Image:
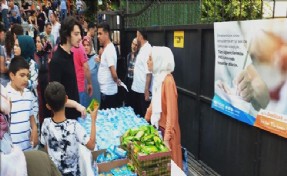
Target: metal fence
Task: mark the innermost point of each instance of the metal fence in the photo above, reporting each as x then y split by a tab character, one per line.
161	13
149	13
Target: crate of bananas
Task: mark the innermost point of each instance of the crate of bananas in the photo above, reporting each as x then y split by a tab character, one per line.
147	150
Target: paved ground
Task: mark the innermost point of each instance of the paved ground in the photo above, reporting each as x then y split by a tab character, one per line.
197	168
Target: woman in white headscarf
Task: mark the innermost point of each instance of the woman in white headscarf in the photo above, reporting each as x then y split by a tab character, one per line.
163	110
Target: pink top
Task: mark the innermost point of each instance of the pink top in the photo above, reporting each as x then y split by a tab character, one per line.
80	58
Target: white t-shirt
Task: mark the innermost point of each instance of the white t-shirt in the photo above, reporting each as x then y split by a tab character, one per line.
141	69
62	142
56	30
79	4
4	5
22	109
106	81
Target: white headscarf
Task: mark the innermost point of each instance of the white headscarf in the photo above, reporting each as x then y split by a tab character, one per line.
163	64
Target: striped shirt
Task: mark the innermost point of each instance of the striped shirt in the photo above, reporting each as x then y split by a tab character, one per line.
22	109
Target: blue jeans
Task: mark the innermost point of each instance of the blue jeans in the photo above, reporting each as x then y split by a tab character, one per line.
63	14
5	19
84	99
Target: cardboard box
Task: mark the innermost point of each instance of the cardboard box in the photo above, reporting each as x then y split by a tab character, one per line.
108	166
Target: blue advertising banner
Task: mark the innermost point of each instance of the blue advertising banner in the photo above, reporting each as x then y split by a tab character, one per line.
251	72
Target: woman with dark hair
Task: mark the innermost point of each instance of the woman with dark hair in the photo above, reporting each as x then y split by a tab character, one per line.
42	58
9	44
33	24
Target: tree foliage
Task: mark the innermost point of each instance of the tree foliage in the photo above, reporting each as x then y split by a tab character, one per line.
230	10
93	7
91	11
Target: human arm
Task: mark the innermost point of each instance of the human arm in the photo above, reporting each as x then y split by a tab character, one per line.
33	80
30	20
91	143
147	85
170	94
98	59
55	73
88	77
251	88
148	113
3	68
73	104
114	75
44	134
34	133
36	23
111	58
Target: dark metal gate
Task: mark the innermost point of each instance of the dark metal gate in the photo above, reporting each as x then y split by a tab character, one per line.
227	146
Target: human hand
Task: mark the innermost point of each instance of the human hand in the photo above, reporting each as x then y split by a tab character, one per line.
80	108
94	113
223	86
118	82
98	59
167	144
90	89
146	95
244	87
34	137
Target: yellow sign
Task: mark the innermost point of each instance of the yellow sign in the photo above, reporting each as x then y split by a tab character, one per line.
178	39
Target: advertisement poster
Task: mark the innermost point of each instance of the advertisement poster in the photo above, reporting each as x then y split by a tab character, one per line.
251	72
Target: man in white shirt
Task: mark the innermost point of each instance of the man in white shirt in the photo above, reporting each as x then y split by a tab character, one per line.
79	5
55	26
4	9
48	33
107	74
63	7
142	77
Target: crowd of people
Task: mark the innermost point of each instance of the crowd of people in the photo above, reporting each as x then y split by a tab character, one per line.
51	73
37	14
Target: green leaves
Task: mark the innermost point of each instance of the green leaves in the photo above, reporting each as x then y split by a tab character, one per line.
230	10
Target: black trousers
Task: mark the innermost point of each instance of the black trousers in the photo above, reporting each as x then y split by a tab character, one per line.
140	105
109	101
129	99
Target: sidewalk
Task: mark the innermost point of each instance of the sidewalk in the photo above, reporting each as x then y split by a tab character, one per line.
198	168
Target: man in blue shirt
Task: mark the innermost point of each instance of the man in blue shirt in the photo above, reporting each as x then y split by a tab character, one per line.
63	7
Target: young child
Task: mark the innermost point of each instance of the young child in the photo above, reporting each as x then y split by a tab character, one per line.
61	135
22	118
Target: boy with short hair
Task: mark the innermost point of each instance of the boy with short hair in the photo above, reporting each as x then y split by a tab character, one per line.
22	118
61	135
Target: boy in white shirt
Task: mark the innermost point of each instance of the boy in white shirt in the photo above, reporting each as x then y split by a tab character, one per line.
61	135
23	125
